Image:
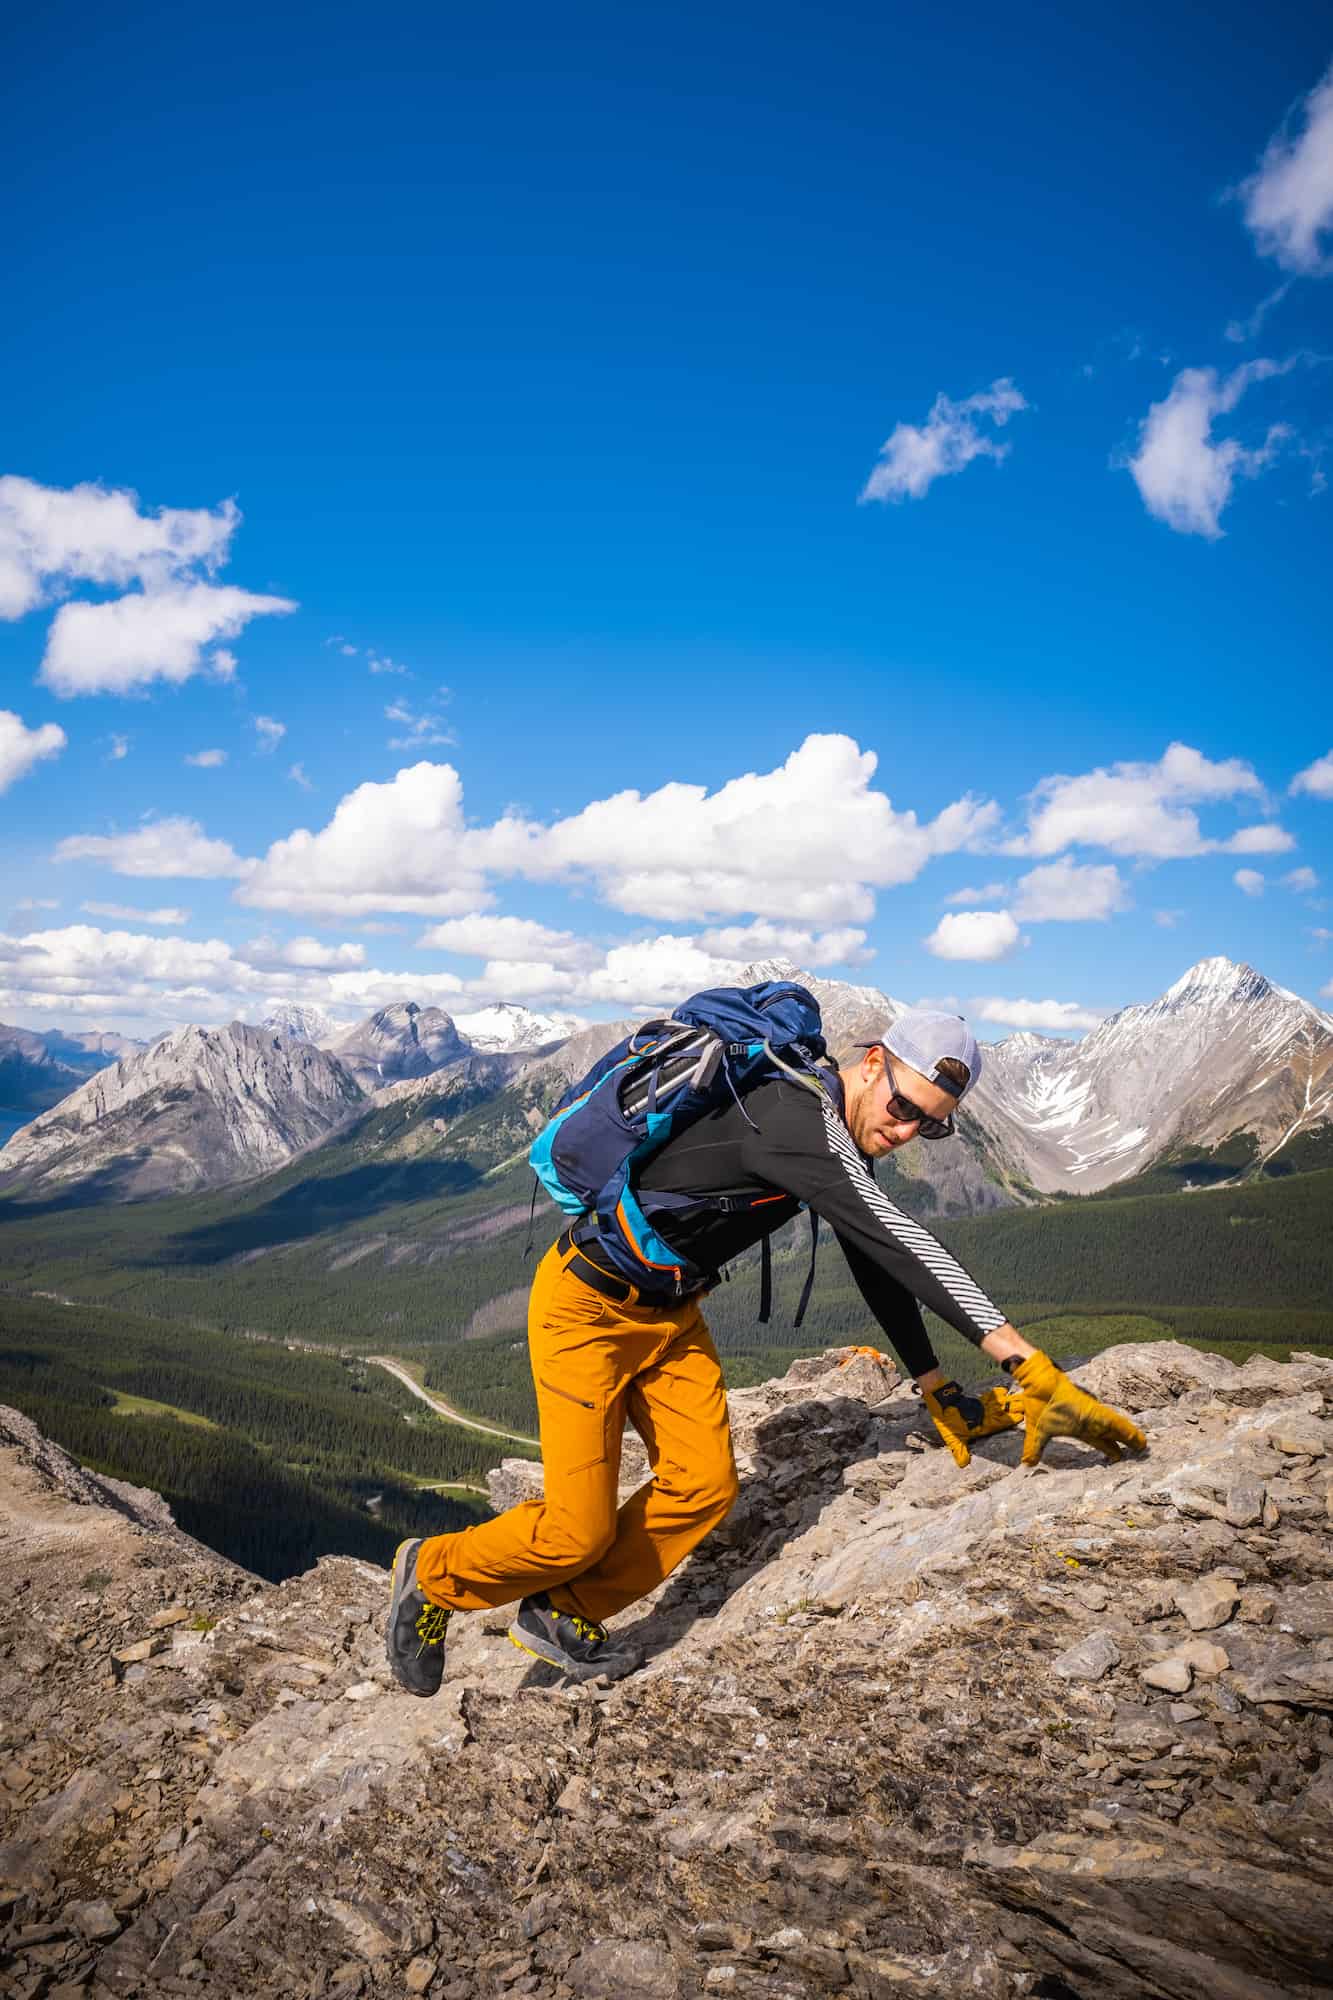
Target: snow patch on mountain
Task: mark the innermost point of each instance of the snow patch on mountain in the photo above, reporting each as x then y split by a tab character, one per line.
498	1029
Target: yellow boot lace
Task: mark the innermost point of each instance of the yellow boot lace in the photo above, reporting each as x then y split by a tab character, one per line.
594	1634
432	1623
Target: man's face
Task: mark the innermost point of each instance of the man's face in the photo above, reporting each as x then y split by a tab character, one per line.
870	1114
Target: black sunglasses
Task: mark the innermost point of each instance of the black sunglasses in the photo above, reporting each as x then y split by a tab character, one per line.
911	1114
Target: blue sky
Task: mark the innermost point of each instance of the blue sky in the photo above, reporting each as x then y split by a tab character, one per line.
838	417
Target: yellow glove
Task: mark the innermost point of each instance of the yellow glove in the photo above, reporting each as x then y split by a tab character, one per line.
1052	1406
961	1418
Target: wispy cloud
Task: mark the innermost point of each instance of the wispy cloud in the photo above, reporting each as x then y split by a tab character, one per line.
1249	880
120	747
163	847
421	729
1243	330
206	760
1301	881
123	913
915	455
298	777
1185	476
269	733
1066	891
971	899
1288	201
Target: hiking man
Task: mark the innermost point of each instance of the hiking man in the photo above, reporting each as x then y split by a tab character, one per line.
605	1350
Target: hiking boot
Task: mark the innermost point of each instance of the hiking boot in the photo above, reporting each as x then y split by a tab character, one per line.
414	1636
576	1645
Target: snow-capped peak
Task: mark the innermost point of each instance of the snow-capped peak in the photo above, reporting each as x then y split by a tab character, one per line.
1217	979
306	1024
496	1030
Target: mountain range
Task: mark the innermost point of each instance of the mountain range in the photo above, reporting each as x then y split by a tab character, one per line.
1224	1074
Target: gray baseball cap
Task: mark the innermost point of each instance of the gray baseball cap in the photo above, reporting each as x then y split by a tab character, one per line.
921	1038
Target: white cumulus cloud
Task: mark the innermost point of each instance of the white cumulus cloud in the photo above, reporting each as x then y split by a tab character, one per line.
807	947
1144	810
52	537
808	842
21	747
1184	475
1300	880
121	646
1066	892
1268	838
973	934
915	455
1288	200
1037	1015
507	940
1249	880
402	845
165	847
1316	778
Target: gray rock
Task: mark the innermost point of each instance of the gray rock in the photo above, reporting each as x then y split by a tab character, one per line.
1209	1602
1173	1674
1088	1659
624	1969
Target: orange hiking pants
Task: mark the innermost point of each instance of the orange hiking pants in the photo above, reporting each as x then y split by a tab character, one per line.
596	1363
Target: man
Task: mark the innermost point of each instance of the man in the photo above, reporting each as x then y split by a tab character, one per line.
602	1353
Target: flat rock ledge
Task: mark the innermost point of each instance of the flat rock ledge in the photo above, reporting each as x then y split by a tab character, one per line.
901	1731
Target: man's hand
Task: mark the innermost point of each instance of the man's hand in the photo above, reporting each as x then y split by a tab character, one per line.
1052	1406
961	1418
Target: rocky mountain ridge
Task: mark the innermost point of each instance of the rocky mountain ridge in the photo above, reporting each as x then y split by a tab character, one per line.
1223	1052
396	1043
202	1107
901	1731
39	1067
1223	1057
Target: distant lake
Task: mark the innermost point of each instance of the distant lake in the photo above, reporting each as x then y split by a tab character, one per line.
9	1126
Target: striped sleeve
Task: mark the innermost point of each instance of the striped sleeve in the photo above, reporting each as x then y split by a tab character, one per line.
861	1213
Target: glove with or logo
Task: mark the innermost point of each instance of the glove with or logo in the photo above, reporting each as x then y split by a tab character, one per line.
961	1418
1052	1406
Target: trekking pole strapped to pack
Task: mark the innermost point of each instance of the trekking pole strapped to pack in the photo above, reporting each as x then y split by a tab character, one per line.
717	1045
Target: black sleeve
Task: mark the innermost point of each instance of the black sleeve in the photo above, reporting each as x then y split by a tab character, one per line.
802	1145
894	1307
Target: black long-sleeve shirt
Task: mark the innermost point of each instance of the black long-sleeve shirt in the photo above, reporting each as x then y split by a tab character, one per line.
797	1151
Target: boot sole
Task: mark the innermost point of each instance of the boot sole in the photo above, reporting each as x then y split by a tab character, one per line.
550	1655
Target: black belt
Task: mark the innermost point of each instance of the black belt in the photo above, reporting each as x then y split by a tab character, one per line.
592	1274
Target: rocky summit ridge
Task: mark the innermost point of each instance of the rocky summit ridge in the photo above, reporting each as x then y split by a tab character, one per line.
901	1731
200	1108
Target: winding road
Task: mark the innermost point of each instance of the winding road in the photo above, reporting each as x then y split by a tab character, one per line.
440	1407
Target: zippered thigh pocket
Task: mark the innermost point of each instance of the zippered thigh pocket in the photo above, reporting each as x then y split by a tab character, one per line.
573	1431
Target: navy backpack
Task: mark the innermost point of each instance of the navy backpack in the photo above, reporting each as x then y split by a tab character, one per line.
717	1045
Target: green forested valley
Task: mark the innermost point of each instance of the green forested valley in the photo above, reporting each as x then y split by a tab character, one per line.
189	1305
